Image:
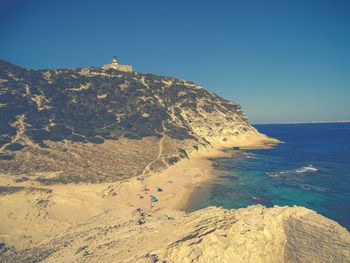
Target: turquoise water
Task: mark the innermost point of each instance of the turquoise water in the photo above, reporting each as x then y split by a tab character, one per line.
311	169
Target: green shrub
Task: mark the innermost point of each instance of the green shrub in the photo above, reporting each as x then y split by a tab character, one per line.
14	147
6	157
96	140
38	135
75	138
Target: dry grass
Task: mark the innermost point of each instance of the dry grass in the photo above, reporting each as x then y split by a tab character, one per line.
86	162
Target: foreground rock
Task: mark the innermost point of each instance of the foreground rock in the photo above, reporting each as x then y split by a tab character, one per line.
253	234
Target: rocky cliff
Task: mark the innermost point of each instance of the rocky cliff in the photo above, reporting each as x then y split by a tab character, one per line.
253	234
94	125
61	128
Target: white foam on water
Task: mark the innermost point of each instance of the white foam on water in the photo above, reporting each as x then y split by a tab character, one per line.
277	174
273	174
289	173
305	187
306	169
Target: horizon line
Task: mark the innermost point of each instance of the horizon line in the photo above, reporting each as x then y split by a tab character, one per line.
306	122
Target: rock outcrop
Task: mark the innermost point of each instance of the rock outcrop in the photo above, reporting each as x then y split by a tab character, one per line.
252	234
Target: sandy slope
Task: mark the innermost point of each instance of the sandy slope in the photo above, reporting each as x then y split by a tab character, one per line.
38	212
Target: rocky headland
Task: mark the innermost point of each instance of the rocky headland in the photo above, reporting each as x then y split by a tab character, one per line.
82	152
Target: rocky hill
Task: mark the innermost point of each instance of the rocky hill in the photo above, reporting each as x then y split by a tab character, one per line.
69	138
253	234
95	125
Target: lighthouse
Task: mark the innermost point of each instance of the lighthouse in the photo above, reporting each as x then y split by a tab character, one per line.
114	60
116	66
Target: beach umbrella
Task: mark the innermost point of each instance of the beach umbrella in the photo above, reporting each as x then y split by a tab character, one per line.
154	199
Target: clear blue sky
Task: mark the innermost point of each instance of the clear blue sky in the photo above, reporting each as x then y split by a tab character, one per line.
282	61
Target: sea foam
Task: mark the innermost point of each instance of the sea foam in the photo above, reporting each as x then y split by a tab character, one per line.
290	173
306	169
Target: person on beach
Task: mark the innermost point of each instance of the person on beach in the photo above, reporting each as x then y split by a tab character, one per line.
153	200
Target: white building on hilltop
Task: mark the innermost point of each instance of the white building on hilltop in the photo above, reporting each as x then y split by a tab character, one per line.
116	66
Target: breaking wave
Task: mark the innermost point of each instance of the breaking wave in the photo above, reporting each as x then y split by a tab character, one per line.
291	173
306	169
281	174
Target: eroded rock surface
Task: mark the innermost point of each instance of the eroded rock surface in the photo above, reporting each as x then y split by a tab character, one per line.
252	234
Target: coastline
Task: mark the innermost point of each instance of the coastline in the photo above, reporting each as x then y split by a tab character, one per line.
52	209
174	187
253	141
109	221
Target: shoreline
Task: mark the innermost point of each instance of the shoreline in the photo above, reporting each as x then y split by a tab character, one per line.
174	187
52	209
259	141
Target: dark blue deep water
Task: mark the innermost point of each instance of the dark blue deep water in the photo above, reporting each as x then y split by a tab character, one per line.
311	168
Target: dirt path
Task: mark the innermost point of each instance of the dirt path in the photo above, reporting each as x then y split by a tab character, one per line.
147	169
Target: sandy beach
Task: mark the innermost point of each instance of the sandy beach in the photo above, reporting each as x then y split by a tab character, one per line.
38	211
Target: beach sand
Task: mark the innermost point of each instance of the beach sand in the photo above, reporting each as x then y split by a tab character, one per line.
38	212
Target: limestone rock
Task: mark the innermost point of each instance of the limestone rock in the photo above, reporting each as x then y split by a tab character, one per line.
252	234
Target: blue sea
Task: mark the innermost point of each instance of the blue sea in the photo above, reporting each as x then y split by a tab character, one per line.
311	168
